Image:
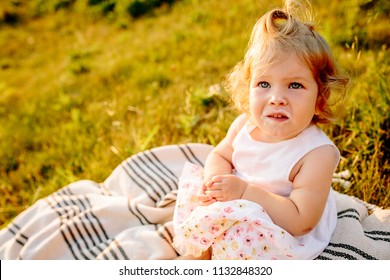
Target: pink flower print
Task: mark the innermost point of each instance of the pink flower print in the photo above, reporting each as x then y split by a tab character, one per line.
243	256
260	236
257	223
204	241
238	231
271	236
214	229
248	240
228	210
250	228
194	169
245	219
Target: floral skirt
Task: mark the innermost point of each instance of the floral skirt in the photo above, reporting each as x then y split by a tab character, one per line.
237	229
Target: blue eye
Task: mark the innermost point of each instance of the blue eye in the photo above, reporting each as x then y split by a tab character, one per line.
264	85
295	86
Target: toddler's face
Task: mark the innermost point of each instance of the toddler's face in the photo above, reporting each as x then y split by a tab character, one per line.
282	100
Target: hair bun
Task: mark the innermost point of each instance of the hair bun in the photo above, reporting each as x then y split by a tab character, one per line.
279	14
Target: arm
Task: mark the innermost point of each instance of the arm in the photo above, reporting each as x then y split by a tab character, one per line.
219	161
301	211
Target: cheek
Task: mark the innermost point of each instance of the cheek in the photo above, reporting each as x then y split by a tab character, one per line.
255	104
315	107
310	110
255	98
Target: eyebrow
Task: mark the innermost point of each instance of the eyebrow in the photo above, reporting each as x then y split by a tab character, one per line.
296	78
292	78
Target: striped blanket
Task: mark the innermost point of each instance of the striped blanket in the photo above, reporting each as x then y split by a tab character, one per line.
129	216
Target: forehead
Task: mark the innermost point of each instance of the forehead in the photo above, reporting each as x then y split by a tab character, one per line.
285	64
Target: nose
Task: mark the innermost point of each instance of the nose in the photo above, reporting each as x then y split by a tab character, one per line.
277	100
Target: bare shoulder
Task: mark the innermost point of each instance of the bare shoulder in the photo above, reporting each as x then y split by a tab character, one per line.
327	153
237	124
317	167
225	147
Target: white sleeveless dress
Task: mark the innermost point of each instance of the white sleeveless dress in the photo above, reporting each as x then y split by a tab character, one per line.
241	229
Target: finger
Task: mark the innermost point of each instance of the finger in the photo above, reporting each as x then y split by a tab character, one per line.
209	184
217	186
206	203
217	178
204	197
216	194
202	189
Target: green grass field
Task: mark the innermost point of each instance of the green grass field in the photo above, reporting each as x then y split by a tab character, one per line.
84	85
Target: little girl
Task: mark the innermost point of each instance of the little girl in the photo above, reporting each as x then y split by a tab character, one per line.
265	191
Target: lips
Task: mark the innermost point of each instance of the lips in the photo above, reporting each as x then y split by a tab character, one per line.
278	116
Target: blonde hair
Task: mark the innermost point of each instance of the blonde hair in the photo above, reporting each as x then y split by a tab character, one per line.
279	32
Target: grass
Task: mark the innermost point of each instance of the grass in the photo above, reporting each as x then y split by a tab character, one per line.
81	90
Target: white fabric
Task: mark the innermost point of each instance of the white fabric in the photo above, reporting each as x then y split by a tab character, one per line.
269	164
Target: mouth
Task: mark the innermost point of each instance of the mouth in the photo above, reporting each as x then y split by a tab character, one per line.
278	116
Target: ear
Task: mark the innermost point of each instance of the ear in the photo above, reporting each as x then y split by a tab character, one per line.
319	106
317	111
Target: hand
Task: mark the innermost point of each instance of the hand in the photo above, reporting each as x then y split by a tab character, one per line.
203	198
225	187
